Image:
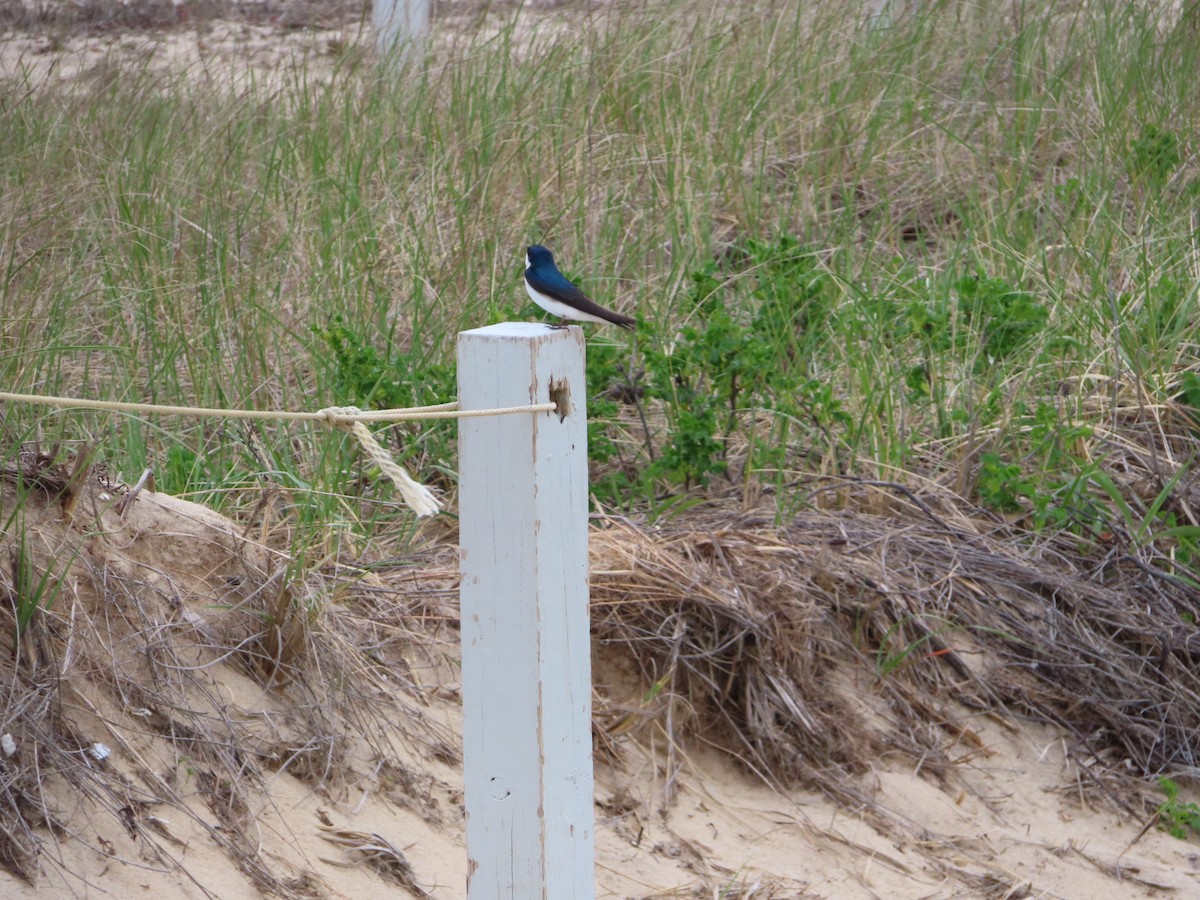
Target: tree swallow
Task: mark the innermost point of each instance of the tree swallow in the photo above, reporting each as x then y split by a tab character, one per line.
553	293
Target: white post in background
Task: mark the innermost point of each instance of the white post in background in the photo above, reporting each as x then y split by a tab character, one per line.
526	643
885	13
399	24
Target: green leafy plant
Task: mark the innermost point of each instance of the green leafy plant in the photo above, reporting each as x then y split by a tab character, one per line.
1055	487
1189	393
366	376
1154	154
957	338
1178	818
611	382
1001	484
748	349
1004	317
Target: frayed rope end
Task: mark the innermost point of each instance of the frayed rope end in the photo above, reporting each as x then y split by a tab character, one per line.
419	498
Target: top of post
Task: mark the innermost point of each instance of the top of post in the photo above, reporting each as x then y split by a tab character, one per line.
524	330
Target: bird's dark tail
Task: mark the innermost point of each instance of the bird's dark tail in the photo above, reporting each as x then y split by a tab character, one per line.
625	322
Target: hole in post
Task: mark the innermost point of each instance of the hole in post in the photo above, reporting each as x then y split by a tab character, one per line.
560	396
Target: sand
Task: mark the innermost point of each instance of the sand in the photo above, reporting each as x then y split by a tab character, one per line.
1013	817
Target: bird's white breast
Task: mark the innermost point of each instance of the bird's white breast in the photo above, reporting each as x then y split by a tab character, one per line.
558	308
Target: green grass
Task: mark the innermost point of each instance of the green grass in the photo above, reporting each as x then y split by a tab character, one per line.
945	249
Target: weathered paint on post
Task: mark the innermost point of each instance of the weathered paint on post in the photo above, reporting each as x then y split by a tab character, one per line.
526	666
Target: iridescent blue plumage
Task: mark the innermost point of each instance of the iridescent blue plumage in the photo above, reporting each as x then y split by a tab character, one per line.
548	288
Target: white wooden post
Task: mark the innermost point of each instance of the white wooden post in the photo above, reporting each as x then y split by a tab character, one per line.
526	651
885	13
400	24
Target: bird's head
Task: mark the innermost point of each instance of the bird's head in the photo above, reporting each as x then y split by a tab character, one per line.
537	255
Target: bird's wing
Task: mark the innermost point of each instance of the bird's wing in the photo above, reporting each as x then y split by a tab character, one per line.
559	288
554	285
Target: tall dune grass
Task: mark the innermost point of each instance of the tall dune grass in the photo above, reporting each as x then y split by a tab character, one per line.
187	239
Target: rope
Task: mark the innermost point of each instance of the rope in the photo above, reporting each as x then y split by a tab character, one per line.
418	497
328	415
347	418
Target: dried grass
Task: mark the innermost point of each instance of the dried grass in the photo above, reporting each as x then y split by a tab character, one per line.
377	852
808	651
202	657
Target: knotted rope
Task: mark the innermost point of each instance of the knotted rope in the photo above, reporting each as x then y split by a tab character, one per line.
347	418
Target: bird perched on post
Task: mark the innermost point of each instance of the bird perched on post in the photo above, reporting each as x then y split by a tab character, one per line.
553	293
